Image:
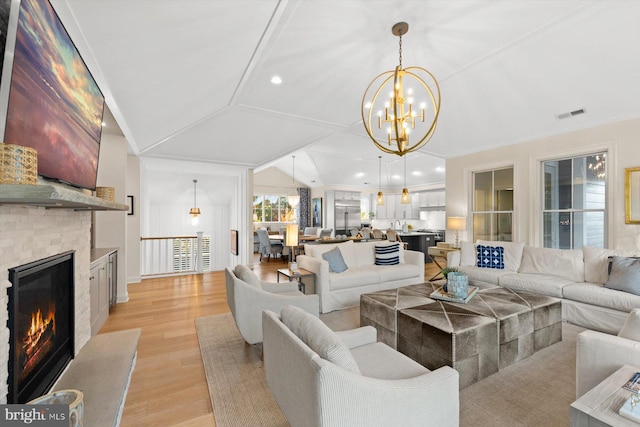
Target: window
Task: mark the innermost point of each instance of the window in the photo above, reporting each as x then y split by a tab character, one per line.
574	212
493	204
271	208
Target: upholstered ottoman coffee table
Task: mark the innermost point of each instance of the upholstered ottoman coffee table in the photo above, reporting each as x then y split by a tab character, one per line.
495	329
527	322
380	309
443	333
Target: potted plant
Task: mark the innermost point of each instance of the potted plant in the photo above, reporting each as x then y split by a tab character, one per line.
445	271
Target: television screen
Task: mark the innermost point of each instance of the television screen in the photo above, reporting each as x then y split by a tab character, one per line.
55	106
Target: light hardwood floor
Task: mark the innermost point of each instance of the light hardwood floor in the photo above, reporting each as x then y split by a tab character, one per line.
168	386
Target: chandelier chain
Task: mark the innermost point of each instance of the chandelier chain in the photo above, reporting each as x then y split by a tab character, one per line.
400	51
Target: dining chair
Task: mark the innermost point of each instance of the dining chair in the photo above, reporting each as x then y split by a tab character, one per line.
267	247
326	232
377	233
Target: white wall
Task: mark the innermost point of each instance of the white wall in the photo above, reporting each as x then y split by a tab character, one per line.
110	227
621	141
133	221
167	192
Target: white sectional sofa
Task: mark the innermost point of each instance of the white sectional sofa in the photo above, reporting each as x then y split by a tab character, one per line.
342	290
576	276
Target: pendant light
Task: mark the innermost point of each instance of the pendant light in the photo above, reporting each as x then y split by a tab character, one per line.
194	211
405	199
294	198
380	199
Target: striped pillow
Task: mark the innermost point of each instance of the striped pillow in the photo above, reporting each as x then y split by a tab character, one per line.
388	254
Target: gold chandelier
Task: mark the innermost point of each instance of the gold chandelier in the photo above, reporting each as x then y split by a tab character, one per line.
391	121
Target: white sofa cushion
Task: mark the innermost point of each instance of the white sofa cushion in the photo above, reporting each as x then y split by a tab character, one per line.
488	275
353	278
567	263
388	273
316	250
314	333
536	283
512	252
596	262
468	254
598	295
631	327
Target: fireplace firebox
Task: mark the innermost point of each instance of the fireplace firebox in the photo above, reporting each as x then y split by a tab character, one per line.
41	325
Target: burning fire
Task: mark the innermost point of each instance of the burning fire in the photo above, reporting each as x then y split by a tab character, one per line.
40	327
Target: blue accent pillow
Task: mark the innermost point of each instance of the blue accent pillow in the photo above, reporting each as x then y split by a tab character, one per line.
335	260
388	254
490	257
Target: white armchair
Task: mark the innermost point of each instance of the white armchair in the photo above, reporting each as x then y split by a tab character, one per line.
248	298
598	355
317	384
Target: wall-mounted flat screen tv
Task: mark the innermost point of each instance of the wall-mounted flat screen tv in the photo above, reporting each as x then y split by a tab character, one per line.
55	105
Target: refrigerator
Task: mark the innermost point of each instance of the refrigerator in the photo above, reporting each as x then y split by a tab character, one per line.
347	215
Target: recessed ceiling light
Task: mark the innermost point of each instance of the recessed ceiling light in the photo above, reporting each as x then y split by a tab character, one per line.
276	80
439	169
395	176
103	124
367	105
360	174
416	173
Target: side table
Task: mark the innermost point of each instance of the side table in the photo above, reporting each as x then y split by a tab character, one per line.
435	252
298	275
600	405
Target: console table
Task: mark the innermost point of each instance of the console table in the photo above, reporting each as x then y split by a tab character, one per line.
438	252
298	276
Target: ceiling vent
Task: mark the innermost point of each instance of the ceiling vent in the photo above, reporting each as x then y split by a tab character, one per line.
570	114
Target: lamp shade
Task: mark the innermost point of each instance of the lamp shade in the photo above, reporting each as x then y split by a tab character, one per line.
292	235
457	223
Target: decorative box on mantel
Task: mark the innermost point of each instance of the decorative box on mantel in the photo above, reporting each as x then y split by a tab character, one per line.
52	196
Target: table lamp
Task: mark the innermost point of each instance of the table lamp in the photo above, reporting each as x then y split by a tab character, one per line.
457	223
292	241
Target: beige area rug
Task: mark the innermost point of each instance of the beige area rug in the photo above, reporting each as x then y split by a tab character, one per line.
534	392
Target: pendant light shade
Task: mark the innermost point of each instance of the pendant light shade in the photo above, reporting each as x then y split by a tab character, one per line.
380	199
194	211
405	199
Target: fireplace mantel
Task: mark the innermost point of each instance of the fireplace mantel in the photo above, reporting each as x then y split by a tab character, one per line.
52	196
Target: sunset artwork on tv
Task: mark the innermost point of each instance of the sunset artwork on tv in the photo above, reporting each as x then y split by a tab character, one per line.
55	106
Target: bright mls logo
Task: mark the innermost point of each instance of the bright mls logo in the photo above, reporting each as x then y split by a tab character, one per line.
34	415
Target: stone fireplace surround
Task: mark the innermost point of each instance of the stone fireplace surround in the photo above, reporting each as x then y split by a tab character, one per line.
31	233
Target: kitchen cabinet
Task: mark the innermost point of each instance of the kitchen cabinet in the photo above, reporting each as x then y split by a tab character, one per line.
429	199
103	273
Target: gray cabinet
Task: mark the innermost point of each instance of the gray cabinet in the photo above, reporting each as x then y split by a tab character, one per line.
103	285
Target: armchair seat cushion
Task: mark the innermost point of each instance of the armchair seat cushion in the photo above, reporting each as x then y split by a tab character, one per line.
371	357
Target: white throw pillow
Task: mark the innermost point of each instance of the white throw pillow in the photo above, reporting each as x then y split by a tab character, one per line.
567	263
316	250
512	252
314	333
245	274
631	327
468	254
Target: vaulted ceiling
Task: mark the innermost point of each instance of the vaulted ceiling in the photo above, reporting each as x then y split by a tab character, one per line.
190	79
